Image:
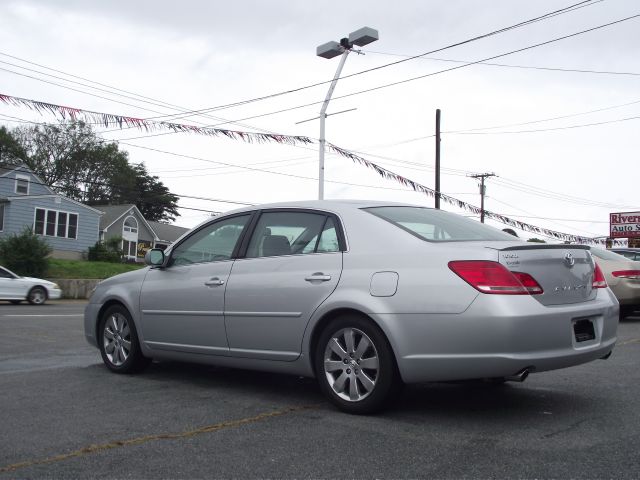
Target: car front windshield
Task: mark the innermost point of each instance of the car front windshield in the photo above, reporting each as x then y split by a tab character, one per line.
438	226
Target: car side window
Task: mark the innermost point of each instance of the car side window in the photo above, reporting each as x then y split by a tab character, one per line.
212	243
328	240
5	274
285	233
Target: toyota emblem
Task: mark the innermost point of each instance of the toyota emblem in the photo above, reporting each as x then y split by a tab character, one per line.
569	261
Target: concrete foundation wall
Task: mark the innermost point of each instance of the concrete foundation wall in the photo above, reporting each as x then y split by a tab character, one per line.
75	288
68	255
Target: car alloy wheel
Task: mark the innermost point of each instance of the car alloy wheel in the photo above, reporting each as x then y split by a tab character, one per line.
355	365
117	339
351	364
37	296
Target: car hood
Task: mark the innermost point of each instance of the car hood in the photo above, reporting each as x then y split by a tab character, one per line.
125	277
39	281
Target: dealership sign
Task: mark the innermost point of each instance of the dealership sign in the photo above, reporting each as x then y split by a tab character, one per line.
624	225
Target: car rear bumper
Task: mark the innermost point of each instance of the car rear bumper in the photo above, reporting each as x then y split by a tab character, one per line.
499	336
627	291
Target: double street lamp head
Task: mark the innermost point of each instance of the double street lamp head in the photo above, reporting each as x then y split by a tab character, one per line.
361	37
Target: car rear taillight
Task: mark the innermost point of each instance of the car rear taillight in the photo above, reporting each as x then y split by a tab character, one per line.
495	278
634	274
598	278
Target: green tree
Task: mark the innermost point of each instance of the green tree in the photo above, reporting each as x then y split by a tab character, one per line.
25	254
536	240
71	159
154	199
11	152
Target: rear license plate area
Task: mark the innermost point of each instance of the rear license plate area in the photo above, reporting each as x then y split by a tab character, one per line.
583	330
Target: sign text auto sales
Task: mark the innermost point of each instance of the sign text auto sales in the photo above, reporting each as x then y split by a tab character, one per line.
625	225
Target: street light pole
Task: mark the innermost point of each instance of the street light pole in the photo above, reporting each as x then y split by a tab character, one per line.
361	37
323	116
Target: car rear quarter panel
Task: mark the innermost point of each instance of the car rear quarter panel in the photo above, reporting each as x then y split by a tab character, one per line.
442	328
426	285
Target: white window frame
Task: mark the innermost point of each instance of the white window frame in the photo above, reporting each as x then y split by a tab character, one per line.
55	233
127	253
126	228
21	177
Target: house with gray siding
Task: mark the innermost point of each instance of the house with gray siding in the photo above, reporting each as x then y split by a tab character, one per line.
167	234
68	226
138	235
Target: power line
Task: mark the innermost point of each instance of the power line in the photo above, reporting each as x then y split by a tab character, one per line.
551	218
120	188
544	193
527	67
400	82
153	102
536	191
568	127
192	112
260	170
554	223
464	205
545	16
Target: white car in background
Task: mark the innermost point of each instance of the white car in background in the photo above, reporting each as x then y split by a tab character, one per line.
34	290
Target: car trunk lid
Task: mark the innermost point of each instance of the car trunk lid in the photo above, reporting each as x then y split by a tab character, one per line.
565	272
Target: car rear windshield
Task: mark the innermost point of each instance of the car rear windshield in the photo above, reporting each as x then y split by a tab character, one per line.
438	226
607	255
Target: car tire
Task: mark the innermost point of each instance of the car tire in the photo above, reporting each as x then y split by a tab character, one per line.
118	342
355	365
37	296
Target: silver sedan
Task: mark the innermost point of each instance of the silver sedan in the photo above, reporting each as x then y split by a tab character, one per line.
361	295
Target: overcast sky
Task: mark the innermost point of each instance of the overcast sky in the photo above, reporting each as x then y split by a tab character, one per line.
197	54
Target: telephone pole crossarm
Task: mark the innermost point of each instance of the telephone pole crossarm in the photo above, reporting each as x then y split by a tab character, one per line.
482	177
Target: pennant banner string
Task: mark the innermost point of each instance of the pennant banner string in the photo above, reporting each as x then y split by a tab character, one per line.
109	119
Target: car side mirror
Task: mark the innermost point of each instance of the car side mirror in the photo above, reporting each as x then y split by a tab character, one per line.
154	257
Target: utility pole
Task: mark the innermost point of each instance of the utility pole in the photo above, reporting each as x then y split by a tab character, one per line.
437	159
483	190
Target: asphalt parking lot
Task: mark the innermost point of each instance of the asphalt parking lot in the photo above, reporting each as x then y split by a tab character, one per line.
65	416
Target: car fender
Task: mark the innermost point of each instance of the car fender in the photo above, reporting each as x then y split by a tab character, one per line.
126	294
346	299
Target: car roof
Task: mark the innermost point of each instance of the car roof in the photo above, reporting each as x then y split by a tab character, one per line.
334	205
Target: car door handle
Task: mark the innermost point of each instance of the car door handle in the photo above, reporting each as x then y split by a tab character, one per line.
318	277
214	282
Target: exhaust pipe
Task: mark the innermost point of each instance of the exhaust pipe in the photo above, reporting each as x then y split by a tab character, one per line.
521	376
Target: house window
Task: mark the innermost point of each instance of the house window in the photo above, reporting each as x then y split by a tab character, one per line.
130	225
130	249
53	223
22	184
1	217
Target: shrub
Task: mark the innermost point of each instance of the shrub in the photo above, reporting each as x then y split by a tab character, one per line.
108	251
25	254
